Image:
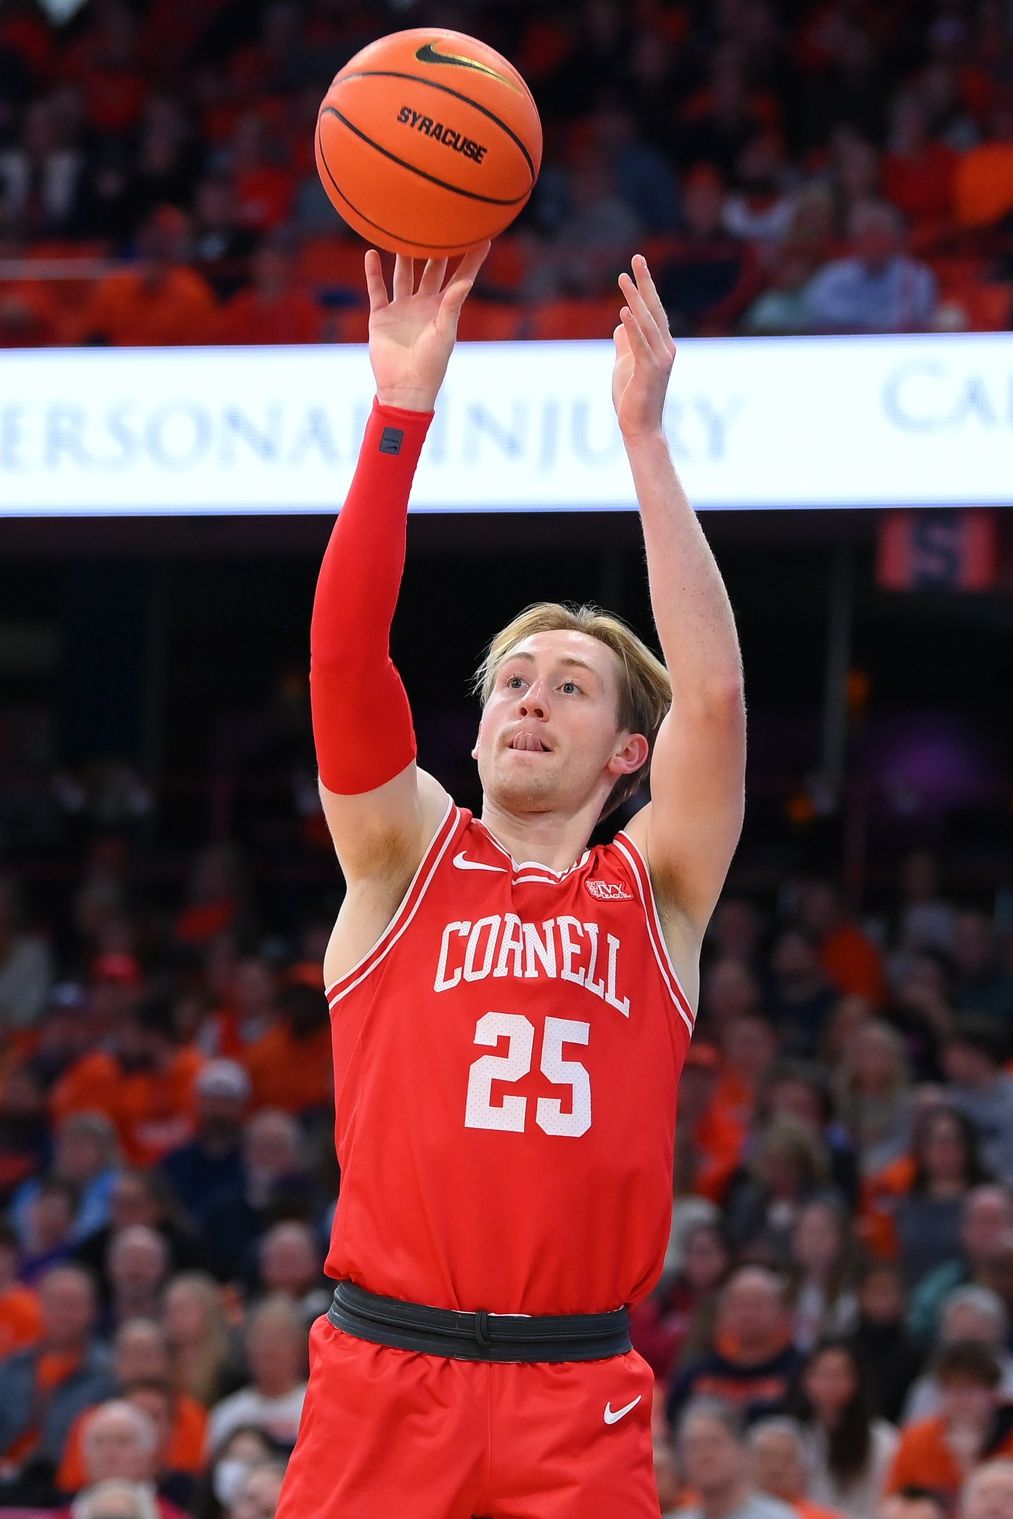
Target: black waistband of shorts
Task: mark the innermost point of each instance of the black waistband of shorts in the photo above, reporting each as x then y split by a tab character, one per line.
478	1336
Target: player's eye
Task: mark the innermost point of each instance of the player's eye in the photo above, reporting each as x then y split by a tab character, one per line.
514	682
569	688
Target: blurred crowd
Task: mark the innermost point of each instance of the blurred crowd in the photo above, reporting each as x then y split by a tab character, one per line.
801	166
830	1338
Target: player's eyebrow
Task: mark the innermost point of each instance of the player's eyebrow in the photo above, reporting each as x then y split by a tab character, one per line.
564	659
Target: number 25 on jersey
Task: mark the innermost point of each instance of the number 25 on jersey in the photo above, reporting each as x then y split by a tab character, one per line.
510	1112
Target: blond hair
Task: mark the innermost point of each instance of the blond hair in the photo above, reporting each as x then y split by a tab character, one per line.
645	691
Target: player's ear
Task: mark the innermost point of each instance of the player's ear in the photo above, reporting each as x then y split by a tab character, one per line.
630	756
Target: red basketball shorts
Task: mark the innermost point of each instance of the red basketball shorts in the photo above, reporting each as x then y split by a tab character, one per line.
395	1434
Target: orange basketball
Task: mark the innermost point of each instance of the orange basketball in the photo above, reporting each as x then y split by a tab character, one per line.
427	142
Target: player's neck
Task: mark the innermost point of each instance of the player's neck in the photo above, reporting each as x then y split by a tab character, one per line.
550	838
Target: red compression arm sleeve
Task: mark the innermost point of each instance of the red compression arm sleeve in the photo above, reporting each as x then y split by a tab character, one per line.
362	724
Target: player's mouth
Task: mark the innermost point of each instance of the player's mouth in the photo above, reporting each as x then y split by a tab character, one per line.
527	742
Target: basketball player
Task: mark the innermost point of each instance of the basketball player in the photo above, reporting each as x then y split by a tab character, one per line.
510	1010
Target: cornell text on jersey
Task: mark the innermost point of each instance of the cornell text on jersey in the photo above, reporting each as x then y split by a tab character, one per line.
563	949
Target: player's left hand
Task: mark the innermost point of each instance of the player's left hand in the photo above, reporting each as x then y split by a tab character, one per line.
412	330
645	353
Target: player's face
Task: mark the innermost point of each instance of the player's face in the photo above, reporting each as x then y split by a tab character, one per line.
549	735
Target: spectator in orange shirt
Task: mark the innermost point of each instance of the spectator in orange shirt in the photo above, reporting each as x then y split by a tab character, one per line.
143	1082
140	1358
249	1006
154	1100
163	302
20	1312
780	1465
290	1067
973	1425
181	1424
748	1051
849	957
272	309
44	1387
709	1143
120	1440
264	186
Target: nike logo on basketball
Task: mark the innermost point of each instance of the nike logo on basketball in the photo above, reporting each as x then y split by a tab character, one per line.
427	54
463	863
612	1416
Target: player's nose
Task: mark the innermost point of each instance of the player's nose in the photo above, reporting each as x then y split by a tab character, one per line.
534	701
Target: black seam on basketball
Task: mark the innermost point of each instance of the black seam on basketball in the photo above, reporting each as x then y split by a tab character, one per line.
432	84
488	200
447	248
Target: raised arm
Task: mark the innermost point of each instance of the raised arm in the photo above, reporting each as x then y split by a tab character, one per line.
381	810
691	827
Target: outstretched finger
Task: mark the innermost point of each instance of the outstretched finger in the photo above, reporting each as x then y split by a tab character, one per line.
644	315
472	262
432	275
376	285
404	276
621	341
649	290
640	345
453	300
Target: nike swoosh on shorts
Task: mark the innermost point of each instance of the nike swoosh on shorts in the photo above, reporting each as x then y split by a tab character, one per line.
613	1415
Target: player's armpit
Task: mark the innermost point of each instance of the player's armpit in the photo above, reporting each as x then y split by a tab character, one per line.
381	835
689	831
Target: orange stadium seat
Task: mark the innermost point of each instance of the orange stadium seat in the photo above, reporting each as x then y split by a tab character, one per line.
506	265
988	305
346	324
491	321
332	264
577	317
983	189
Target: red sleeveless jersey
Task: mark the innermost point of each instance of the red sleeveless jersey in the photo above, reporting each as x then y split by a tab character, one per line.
506	1060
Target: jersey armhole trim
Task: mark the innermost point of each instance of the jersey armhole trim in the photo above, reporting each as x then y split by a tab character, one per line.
645	890
404	912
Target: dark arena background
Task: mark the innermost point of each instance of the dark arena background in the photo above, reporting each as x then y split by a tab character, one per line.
824	190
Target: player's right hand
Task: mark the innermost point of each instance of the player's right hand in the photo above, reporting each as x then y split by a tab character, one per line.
412	331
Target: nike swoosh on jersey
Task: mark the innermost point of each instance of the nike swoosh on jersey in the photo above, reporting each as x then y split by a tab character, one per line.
463	863
612	1416
427	54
